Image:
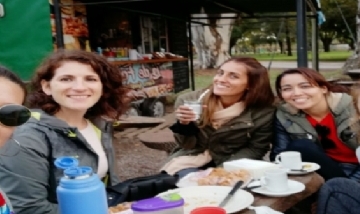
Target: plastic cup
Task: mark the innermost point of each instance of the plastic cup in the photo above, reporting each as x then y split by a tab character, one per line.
195	106
208	210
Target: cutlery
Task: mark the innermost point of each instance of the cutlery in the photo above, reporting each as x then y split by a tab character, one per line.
231	193
299	170
252	187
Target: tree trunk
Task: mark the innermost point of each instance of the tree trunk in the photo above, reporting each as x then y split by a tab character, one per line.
353	62
197	33
326	43
351	44
281	45
212	41
254	48
232	44
287	37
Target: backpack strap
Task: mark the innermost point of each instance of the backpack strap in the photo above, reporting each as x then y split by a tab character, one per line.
52	197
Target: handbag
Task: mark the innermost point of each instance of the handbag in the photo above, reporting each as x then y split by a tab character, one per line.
140	188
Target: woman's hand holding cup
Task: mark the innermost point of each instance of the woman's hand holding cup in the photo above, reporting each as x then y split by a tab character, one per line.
185	114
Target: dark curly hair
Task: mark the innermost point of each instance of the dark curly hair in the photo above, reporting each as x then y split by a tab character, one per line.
9	75
112	103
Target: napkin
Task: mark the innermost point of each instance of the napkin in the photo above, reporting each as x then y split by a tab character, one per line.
257	168
264	210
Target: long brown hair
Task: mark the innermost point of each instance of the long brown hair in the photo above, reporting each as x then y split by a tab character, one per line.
111	104
258	95
311	75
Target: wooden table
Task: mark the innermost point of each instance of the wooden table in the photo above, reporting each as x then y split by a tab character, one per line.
312	182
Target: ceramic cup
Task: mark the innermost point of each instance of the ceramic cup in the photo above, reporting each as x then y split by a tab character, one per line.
289	160
275	180
196	106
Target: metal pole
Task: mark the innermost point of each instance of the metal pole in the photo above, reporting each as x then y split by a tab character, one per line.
315	43
58	25
302	60
191	57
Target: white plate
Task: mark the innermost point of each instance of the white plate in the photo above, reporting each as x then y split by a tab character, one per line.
200	196
294	187
311	168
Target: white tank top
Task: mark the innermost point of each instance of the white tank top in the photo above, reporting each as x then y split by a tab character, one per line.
92	138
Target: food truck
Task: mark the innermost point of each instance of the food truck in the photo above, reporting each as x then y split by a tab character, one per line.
149	50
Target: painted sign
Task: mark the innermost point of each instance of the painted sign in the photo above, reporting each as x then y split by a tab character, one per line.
153	79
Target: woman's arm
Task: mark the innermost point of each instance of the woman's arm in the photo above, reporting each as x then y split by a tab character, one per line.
281	139
185	134
25	175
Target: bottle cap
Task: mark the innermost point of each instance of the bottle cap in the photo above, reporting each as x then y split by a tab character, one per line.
66	162
78	172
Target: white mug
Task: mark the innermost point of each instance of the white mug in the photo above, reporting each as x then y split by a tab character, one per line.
275	180
289	160
196	106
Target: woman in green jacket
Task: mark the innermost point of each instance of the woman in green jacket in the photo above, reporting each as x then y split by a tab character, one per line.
236	121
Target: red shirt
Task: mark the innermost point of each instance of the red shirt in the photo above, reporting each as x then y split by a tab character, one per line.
341	153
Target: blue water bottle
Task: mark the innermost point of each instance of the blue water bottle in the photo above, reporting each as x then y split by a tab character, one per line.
81	191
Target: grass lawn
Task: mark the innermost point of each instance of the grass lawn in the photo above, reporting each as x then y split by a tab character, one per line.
334	56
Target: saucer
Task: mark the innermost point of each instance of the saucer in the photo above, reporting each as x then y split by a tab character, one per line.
294	187
307	168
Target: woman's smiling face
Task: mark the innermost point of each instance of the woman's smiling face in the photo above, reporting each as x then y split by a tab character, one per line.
300	93
74	86
231	80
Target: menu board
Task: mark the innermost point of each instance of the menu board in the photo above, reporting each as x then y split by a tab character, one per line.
153	79
74	23
179	45
181	76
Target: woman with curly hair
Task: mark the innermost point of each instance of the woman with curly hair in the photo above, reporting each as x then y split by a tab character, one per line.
73	91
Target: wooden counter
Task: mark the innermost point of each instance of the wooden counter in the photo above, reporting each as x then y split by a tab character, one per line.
147	61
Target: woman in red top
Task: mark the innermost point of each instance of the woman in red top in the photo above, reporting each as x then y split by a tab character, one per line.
318	121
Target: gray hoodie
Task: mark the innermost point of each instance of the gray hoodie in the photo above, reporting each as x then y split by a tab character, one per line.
29	179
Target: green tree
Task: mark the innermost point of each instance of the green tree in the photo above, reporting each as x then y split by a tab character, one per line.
283	29
240	28
335	27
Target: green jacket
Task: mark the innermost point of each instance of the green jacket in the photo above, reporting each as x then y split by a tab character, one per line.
246	136
25	176
291	124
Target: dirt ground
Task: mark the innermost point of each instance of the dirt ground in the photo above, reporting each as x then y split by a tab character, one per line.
134	159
